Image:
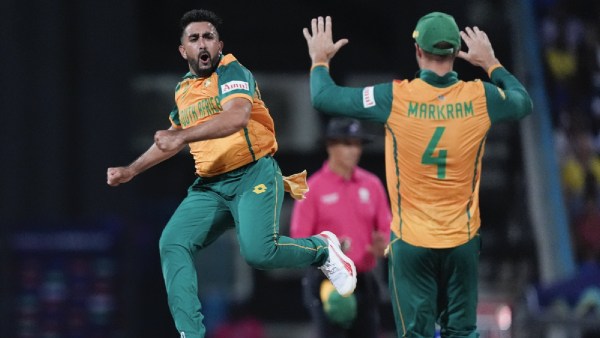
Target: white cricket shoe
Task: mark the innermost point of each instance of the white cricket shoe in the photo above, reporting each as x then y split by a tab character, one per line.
338	268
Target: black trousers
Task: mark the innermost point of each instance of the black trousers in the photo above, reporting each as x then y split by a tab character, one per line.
366	324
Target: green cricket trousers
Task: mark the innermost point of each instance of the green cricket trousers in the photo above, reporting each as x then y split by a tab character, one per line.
248	199
430	286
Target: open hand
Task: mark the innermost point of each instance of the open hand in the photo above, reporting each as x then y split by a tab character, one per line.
480	52
320	42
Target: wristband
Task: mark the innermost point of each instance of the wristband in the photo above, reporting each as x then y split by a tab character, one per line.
492	68
325	64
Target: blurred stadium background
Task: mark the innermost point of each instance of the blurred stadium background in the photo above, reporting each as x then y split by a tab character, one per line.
86	83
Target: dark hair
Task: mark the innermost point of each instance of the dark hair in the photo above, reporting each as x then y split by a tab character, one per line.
200	15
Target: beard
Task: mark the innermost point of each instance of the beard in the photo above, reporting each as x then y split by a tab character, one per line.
204	71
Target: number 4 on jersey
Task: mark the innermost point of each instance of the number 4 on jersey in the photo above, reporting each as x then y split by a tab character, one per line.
439	160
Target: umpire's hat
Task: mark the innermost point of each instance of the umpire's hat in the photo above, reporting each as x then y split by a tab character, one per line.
342	128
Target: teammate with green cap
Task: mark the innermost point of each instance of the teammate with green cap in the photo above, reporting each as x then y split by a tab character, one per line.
436	126
435	28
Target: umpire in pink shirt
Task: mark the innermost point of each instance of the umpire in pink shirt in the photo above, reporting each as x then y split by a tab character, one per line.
352	203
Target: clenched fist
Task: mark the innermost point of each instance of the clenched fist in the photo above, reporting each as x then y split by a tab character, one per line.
168	140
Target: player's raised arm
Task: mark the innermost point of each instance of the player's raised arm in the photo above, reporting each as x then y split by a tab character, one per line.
320	41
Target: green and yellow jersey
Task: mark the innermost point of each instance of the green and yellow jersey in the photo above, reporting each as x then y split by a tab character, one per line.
436	129
200	99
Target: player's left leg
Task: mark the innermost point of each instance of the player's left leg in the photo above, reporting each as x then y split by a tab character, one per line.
257	209
413	288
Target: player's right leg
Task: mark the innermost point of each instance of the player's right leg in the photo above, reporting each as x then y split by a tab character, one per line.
458	313
198	221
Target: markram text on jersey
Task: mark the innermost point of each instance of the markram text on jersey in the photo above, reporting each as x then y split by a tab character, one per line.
449	111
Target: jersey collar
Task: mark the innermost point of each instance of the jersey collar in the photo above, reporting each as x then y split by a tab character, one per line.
189	75
437	81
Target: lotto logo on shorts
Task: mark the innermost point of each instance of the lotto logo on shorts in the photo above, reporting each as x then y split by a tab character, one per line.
182	334
259	189
233	85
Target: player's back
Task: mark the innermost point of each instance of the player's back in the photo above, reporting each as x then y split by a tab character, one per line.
434	144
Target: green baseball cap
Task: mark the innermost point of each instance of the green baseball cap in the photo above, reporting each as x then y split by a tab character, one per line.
338	309
434	28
